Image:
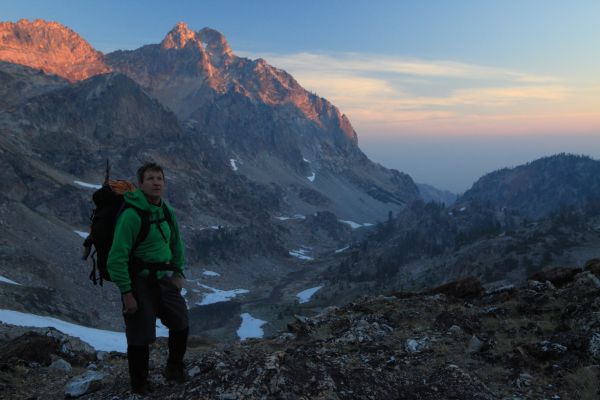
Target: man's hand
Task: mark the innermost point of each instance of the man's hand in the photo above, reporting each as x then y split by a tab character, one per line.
129	304
177	281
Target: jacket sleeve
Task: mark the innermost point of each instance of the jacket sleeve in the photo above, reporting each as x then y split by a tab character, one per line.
126	231
177	245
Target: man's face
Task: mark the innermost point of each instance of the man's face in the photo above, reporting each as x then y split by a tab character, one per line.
153	185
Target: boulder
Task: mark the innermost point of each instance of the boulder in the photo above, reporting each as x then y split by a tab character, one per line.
559	276
466	288
475	345
593	266
61	366
594	346
30	347
86	383
416	345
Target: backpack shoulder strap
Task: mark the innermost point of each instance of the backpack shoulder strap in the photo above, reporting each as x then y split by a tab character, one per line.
167	214
144	228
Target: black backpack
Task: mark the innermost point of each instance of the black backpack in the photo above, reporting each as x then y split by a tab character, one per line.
110	204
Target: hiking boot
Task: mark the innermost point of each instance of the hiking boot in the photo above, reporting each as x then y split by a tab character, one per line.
141	388
138	358
175	372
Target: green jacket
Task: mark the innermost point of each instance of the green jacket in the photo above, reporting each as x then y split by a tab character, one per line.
154	249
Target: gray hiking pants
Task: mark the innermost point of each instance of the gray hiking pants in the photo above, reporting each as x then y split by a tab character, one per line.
155	298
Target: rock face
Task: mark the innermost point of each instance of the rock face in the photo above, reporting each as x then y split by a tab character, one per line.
525	343
278	131
50	47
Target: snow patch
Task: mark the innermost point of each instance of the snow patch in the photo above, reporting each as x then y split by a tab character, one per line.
87	185
352	224
312	177
82	234
251	327
338	251
210	273
302	254
99	339
295	216
305	295
233	165
161	330
355	225
183	294
6	280
305	160
213	227
218	295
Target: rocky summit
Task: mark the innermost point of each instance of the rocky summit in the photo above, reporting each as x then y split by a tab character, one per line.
537	341
50	47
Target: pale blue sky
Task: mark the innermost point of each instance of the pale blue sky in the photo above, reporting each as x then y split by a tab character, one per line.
443	90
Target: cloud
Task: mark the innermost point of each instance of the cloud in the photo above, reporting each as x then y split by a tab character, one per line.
373	63
405	95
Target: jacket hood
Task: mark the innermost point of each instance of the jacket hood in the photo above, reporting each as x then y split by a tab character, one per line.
138	200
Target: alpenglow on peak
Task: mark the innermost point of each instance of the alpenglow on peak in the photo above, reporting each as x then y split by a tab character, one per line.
206	38
178	37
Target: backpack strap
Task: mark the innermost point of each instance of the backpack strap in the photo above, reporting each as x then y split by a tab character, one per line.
144	228
167	214
145	219
135	264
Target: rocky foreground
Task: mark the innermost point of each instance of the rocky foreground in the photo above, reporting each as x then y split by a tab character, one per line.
539	341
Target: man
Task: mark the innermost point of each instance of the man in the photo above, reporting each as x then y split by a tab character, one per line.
141	271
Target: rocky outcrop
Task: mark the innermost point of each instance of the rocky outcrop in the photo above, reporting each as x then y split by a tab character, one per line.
531	342
50	47
556	275
19	83
466	288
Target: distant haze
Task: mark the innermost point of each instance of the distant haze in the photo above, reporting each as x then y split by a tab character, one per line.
455	163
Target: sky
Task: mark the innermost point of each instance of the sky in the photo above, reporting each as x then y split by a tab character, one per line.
444	90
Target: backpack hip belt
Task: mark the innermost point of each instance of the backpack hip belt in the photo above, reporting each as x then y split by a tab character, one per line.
137	265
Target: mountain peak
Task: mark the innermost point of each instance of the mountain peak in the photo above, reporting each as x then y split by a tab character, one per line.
207	39
51	47
215	41
178	37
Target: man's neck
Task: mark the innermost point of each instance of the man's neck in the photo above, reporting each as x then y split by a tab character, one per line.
153	200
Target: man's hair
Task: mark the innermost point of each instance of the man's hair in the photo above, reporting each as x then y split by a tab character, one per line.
150	166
